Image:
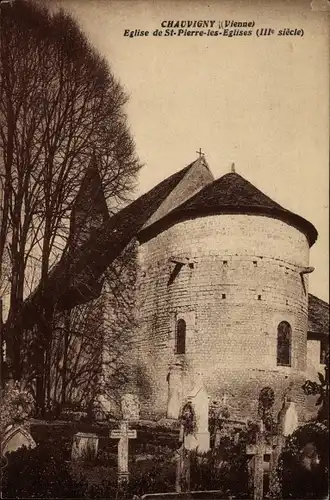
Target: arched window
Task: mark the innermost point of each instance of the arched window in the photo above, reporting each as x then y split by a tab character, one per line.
284	339
180	341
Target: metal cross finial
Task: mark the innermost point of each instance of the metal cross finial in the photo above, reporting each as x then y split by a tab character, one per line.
233	167
200	153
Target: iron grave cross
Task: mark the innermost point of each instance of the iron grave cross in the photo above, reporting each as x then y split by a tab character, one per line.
258	451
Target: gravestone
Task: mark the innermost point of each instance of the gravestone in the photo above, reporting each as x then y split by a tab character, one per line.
102	407
16	437
287	418
130	407
16	407
174	398
200	439
84	447
287	423
123	434
222	424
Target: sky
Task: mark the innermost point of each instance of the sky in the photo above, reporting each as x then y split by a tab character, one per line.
261	102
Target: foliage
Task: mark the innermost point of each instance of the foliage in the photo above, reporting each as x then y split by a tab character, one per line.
187	418
266	402
304	463
222	468
320	388
218	414
39	473
156	478
47	473
16	406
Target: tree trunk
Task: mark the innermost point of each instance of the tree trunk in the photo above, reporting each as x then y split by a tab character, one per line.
65	355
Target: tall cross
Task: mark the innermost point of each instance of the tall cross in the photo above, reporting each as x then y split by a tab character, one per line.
278	443
123	434
258	450
182	479
200	153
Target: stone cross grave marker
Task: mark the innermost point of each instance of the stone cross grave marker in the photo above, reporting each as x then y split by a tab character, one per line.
287	423
123	434
258	451
199	400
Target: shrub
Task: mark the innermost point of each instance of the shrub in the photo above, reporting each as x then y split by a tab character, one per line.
39	473
222	468
16	407
160	477
304	463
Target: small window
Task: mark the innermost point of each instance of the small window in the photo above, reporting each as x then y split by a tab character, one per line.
259	297
225	262
223	295
180	344
284	339
255	263
323	352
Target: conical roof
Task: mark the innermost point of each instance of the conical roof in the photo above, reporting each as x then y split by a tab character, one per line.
232	193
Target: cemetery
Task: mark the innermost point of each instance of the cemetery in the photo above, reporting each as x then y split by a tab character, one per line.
204	454
154	345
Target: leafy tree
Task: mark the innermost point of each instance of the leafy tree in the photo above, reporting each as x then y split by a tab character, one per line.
320	388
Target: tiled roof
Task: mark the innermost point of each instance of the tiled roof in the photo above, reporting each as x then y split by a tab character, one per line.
318	316
234	194
87	264
76	278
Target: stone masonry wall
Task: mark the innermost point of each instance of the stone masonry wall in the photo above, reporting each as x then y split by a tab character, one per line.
242	278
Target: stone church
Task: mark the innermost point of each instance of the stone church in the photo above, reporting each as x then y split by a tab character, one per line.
221	293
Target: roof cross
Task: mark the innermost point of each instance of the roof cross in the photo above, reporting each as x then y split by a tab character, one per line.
200	153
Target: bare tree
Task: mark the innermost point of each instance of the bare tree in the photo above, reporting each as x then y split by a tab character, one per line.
89	344
60	105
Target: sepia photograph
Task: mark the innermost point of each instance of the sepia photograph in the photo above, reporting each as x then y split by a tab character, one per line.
164	249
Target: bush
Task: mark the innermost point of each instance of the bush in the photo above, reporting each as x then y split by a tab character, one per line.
157	478
304	463
223	468
39	473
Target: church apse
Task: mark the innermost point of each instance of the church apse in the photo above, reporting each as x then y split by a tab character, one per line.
215	289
